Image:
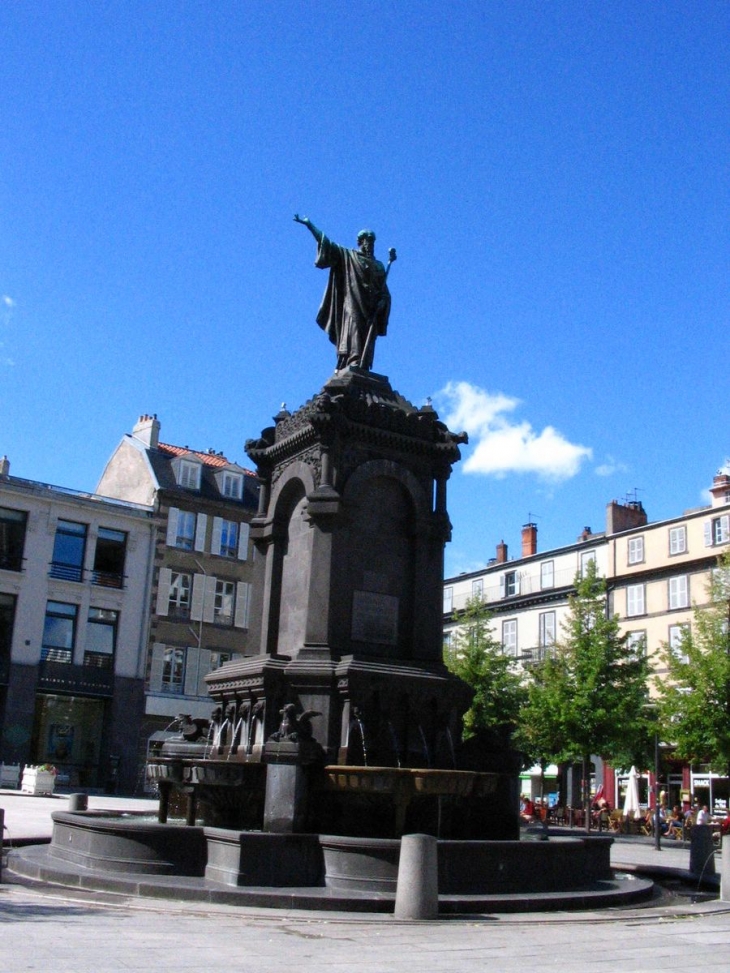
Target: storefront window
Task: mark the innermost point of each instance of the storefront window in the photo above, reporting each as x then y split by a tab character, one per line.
67	734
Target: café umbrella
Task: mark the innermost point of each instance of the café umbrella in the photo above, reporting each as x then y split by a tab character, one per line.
631	800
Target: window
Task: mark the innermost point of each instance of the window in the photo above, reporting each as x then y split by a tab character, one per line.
218	659
59	632
717	531
636	550
511	583
228	546
679	592
188	475
635	598
477	588
546	636
448	641
232	485
185	535
223	602
101	638
509	636
677	635
178	598
186	530
678	539
636	643
448	600
109	558
547	574
12	538
586	558
69	548
7	618
173	669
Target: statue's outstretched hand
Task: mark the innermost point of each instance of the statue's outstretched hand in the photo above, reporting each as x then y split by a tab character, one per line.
301	219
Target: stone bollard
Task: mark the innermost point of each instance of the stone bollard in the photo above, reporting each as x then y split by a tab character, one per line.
78	802
416	894
701	851
725	869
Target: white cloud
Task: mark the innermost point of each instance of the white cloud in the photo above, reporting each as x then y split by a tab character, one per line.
502	446
610	467
8	301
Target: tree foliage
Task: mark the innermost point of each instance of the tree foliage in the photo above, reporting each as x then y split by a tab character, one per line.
590	696
478	658
694	697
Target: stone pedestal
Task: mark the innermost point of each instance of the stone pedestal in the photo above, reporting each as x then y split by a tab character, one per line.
351	529
288	771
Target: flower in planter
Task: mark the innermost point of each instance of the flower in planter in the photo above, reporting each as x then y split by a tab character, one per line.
49	768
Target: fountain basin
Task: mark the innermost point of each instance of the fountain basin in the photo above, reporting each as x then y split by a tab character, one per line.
119	843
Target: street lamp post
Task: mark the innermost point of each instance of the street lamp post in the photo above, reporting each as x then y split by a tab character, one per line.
657	816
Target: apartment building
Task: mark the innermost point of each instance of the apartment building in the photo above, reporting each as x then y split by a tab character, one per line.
655	573
75	571
201	595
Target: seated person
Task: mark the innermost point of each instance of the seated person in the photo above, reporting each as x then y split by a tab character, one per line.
675	823
527	809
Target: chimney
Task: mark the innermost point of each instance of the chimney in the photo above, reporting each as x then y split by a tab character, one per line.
147	430
4	466
529	540
625	516
501	553
720	488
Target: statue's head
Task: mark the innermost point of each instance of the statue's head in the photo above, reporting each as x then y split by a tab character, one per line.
366	241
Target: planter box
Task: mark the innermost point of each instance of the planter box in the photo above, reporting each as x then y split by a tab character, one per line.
37	781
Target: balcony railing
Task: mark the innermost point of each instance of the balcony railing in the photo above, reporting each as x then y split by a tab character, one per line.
529	584
107	579
60	677
66	572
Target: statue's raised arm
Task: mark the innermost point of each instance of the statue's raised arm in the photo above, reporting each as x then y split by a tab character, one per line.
305	221
356	304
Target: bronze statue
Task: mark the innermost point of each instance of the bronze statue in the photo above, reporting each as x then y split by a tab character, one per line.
356	304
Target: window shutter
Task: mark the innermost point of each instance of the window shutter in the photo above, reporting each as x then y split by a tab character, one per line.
215	540
172	516
198	597
724	528
502	586
163	591
243	602
192	662
200	528
708	533
156	666
243	532
203	670
518	579
209	601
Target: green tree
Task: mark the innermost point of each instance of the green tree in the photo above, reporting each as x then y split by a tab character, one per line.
590	697
694	697
478	658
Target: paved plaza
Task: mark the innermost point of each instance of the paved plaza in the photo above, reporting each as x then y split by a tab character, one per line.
46	929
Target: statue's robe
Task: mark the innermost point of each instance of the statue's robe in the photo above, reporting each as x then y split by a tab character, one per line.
355	288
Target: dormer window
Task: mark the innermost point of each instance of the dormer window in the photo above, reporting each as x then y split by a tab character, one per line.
232	483
187	473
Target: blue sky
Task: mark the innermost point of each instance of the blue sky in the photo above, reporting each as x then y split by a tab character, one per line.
553	175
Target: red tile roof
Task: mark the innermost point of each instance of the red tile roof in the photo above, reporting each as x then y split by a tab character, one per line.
216	460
